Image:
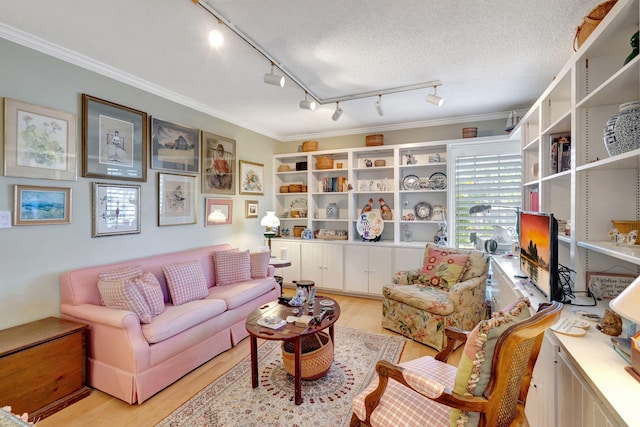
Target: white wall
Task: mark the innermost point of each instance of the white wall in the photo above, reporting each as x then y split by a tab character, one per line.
32	257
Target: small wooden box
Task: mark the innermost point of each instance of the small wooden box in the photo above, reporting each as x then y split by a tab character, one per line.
43	366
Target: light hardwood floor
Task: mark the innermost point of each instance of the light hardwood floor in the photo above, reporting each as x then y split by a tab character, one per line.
100	409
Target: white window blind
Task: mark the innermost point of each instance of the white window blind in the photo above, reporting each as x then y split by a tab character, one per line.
486	179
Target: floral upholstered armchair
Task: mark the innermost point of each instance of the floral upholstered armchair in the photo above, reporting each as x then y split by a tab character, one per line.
448	290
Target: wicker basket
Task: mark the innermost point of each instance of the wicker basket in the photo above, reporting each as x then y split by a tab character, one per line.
295	188
373	140
625	226
284	168
284	188
324	163
316	358
591	21
469	132
309	145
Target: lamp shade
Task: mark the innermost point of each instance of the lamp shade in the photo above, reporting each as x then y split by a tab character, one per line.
627	303
270	220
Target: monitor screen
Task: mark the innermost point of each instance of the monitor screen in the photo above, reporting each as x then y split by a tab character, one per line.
539	252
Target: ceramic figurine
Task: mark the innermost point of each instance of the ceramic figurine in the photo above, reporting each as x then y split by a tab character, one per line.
411	159
367	207
385	210
611	323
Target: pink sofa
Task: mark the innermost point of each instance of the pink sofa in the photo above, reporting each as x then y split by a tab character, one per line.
133	361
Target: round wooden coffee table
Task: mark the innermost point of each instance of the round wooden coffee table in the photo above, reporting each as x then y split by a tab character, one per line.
288	332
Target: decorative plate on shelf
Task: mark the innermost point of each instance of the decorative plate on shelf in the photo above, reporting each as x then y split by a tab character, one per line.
438	180
370	225
411	182
423	210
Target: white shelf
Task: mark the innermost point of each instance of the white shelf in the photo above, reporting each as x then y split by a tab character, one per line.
625	253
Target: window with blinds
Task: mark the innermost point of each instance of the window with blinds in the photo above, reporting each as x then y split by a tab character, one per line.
486	179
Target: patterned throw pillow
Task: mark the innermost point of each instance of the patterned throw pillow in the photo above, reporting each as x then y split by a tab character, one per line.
130	272
124	295
259	263
442	268
150	288
232	267
186	281
474	368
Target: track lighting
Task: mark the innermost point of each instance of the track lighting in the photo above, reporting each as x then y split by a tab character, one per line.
434	99
337	113
378	105
307	104
273	79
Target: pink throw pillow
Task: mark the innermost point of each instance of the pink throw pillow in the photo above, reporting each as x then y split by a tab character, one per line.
124	295
150	288
186	282
259	264
232	267
129	272
442	268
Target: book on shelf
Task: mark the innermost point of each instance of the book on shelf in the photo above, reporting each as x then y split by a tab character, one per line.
560	153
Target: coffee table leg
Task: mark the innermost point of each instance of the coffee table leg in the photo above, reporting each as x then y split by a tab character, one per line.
297	354
254	361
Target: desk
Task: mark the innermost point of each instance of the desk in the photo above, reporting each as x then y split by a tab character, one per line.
279	263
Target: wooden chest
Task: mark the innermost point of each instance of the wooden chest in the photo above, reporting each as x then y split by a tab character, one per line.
42	366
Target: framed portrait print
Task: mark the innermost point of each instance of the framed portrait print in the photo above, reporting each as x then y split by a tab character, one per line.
176	199
251	209
251	178
41	205
218	164
114	140
218	211
116	209
39	142
174	147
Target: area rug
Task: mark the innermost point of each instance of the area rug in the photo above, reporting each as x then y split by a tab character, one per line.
230	400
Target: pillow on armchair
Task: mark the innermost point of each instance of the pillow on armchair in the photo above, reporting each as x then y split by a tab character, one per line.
443	268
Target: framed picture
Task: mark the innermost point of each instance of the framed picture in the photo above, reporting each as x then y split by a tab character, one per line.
218	164
114	140
251	209
41	205
174	147
222	210
39	142
251	178
607	285
176	199
116	209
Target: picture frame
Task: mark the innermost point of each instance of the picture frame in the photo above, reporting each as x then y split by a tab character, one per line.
116	209
114	140
177	195
223	205
251	178
36	205
218	164
174	147
39	142
251	209
607	285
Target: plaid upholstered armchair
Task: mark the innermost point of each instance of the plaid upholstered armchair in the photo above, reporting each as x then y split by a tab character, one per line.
488	388
447	290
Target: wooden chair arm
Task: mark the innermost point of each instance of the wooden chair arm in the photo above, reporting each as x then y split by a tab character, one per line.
455	337
386	370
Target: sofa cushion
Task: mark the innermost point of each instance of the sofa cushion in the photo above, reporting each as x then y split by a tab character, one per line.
176	319
474	368
237	294
259	263
128	272
443	268
477	265
232	267
428	298
124	295
186	281
151	291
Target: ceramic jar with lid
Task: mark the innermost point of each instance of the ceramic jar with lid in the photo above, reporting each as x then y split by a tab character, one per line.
622	131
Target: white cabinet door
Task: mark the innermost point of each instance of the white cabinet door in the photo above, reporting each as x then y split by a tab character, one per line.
333	266
380	269
291	273
323	264
541	401
368	269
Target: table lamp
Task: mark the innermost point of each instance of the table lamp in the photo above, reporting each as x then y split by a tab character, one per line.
627	306
480	209
271	223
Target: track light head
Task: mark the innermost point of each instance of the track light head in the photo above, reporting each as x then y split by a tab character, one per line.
307	104
337	113
273	79
434	99
378	105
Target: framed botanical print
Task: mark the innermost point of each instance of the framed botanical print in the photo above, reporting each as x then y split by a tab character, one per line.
251	178
218	211
39	142
35	205
174	147
176	199
116	209
114	140
251	209
218	164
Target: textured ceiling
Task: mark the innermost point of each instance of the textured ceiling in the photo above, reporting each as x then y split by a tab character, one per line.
492	56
